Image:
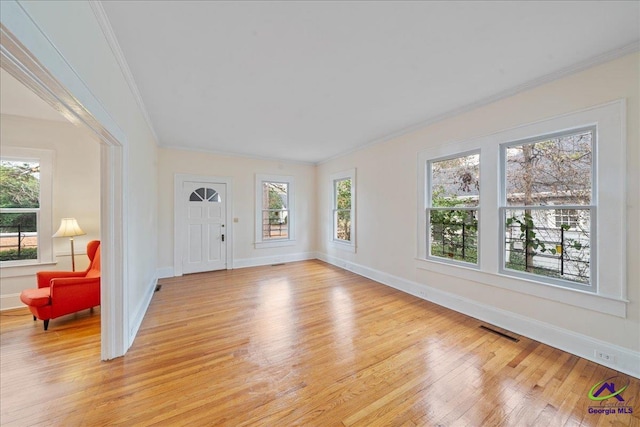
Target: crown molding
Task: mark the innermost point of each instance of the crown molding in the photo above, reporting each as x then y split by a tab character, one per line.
531	84
112	41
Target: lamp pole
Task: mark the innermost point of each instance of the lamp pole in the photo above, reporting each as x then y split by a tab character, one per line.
73	256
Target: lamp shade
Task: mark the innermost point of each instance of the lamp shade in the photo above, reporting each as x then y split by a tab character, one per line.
68	228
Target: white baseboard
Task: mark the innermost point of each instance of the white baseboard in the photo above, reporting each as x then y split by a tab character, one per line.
141	311
166	272
10	301
623	360
276	259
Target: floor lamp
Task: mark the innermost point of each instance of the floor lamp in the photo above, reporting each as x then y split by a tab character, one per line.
69	228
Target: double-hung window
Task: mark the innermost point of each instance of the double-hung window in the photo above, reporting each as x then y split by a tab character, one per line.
547	207
343	196
453	201
274	210
25	206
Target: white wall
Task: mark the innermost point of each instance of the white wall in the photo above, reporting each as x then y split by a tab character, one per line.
242	171
74	29
387	188
75	187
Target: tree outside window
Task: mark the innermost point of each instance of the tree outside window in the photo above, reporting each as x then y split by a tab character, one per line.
548	193
342	209
342	203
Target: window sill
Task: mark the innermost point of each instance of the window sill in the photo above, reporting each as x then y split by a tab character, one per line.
275	244
454	263
589	300
26	269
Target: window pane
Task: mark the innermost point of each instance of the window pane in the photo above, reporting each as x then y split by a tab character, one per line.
18	236
343	194
343	225
274	195
212	195
20	184
205	194
454	234
275	224
536	243
456	182
553	171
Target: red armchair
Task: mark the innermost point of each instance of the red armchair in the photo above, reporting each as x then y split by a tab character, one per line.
65	292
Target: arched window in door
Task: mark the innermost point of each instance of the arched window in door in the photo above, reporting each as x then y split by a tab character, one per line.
205	195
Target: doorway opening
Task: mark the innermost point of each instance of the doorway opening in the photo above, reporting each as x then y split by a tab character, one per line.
28	69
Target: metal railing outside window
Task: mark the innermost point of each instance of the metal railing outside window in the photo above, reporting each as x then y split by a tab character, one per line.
454	234
535	244
18	243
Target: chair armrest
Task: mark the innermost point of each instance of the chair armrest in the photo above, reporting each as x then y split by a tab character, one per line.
44	277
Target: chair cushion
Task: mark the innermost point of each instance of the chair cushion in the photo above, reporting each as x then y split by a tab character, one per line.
36	297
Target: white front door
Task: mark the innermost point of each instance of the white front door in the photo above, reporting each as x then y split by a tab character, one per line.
205	207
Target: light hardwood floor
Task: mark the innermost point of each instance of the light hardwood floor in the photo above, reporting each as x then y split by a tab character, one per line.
298	344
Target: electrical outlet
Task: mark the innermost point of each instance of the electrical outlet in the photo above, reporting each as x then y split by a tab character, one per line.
606	357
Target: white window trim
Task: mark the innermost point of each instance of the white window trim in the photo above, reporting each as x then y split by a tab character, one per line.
592	208
349	246
427	205
611	294
261	243
45	215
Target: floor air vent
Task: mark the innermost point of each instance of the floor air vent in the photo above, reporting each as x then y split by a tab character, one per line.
502	334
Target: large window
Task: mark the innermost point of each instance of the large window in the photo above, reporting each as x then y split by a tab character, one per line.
547	206
453	202
343	198
553	217
25	218
274	213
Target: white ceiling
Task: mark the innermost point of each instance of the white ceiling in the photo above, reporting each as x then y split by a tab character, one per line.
306	81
